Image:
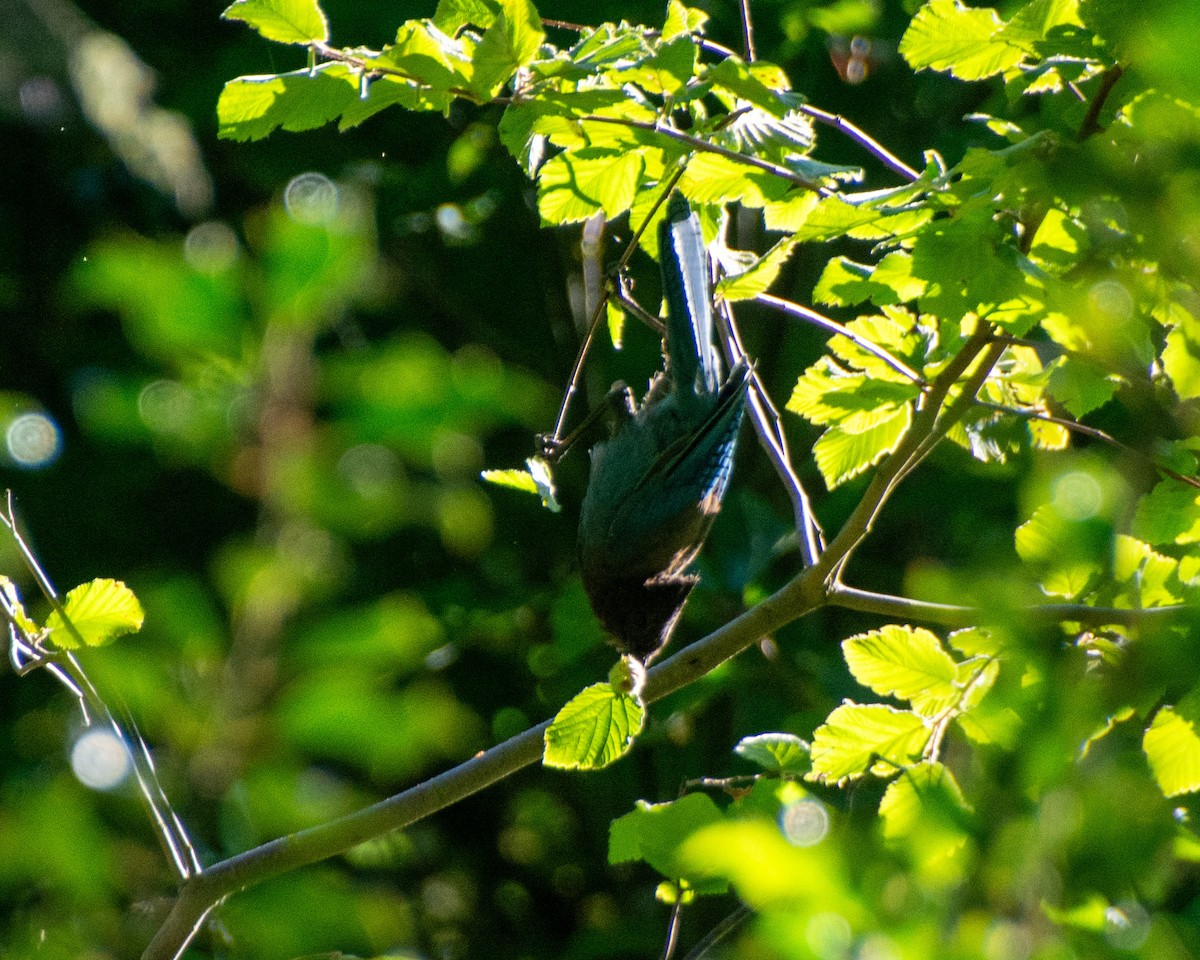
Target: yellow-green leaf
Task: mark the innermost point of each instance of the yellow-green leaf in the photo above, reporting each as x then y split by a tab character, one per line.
902	661
285	21
847	449
1172	745
595	728
99	612
856	738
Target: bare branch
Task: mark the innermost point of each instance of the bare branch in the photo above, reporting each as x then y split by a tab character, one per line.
747	31
811	316
953	615
769	428
872	146
1090	124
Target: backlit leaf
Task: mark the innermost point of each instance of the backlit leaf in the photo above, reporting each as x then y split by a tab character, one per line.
857	738
285	21
595	728
99	611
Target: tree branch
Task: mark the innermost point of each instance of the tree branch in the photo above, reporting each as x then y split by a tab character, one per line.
825	323
863	139
954	615
769	429
888	474
199	894
1090	124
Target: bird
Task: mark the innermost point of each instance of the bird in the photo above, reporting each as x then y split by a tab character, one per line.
657	480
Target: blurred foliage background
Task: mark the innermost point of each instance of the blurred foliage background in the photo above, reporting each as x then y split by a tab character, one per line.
263	379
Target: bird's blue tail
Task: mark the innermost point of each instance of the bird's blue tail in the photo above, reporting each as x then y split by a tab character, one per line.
691	346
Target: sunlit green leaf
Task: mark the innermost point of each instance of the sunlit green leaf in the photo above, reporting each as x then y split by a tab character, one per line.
535	479
903	662
285	21
959	40
451	15
711	178
1181	356
923	810
847	449
509	43
1170	513
98	612
576	185
595	728
776	752
682	19
857	738
759	276
1172	745
249	108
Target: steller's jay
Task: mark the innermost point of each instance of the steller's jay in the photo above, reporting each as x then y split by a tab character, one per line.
657	480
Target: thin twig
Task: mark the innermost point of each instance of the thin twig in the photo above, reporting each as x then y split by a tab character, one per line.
769	427
748	32
706	147
626	300
65	666
955	615
820	320
1091	124
1096	434
673	926
863	139
719	932
858	525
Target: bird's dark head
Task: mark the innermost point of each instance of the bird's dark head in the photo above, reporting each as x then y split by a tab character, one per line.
640	614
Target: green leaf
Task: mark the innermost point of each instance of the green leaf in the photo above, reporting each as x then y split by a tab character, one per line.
1181	356
535	479
430	58
574	186
711	178
682	19
859	442
961	41
827	394
99	611
924	814
918	799
654	832
829	219
285	21
736	76
775	752
452	15
844	282
595	728
1080	385
1170	513
902	661
252	107
856	738
1172	745
511	42
759	276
